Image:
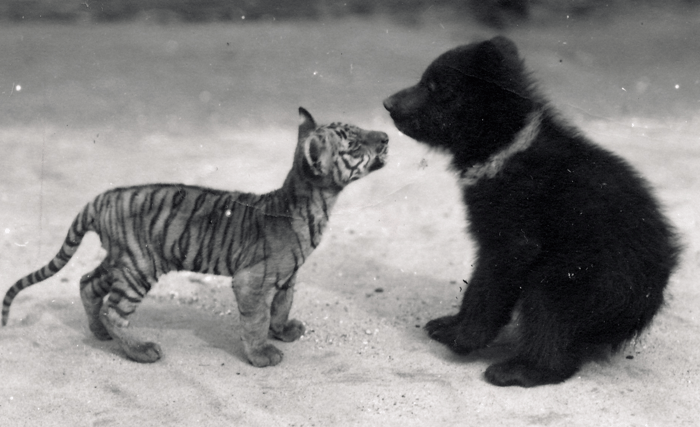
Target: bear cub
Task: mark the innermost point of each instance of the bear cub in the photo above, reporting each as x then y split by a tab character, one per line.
565	230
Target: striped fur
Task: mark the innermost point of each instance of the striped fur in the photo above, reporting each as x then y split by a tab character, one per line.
258	240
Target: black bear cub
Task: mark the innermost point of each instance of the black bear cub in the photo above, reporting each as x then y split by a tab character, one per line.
565	229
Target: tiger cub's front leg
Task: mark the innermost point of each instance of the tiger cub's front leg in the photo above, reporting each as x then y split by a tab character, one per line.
280	327
255	297
125	295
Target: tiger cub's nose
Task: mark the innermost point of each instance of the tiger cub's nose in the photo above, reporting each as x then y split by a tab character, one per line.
377	137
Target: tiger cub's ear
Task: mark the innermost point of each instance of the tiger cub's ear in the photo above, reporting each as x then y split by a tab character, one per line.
316	151
306	124
317	155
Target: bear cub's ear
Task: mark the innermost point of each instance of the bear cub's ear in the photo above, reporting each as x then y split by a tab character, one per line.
505	46
496	53
499	61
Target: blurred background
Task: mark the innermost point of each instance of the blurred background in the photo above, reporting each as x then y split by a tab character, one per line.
178	64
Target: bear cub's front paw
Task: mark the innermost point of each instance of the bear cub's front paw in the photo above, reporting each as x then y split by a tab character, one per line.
443	329
462	337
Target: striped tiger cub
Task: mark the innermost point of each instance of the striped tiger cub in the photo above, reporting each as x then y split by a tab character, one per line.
260	241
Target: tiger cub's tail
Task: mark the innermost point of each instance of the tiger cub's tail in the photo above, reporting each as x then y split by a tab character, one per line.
81	224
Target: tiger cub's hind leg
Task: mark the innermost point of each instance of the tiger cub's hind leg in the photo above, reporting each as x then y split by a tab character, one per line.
93	288
125	295
280	326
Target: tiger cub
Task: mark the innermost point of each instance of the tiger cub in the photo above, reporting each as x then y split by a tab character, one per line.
260	241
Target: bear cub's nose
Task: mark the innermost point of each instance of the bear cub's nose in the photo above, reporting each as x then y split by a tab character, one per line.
389	103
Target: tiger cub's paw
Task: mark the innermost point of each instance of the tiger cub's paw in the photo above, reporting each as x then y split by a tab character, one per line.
291	332
144	352
267	355
99	330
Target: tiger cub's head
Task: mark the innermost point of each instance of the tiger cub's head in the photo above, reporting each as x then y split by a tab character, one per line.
338	153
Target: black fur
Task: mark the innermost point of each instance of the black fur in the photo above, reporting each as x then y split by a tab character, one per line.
567	230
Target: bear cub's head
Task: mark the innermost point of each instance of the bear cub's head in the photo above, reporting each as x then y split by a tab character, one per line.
470	101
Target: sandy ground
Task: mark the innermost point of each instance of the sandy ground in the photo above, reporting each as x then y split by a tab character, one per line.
393	257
